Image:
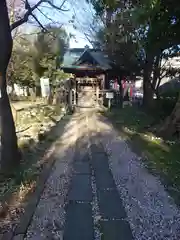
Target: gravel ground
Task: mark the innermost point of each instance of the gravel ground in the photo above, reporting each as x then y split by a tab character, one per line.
151	212
49	217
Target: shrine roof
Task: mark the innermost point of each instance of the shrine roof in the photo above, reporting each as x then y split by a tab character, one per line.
76	57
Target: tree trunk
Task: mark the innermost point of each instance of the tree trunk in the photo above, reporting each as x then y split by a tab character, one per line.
56	97
120	91
172	123
28	91
50	97
156	71
9	153
9	149
156	75
12	87
38	91
147	93
147	88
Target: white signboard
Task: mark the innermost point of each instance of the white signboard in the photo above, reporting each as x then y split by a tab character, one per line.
110	95
45	88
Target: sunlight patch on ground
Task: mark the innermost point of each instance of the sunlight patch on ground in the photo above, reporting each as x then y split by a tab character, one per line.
155	140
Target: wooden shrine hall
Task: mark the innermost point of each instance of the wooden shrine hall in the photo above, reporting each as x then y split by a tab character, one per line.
90	67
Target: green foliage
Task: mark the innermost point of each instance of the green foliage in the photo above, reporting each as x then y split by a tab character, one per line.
100	6
32	60
118	40
168	98
50	47
138	34
165	106
170	93
153	24
20	67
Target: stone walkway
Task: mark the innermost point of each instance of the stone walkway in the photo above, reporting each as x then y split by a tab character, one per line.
93	193
99	189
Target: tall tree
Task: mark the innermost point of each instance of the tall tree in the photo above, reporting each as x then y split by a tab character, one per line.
153	25
49	49
20	66
9	149
156	31
10	156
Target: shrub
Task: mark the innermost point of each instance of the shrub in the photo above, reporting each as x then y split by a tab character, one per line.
166	103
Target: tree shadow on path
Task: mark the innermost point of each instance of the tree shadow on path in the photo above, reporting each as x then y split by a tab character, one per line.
38	159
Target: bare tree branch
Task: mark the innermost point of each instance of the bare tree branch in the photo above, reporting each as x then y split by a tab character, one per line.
50	19
166	60
30	10
28	7
56	7
39	22
26	16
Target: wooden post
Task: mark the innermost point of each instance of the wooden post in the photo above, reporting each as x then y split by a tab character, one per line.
120	92
97	93
74	96
103	81
76	92
70	95
109	103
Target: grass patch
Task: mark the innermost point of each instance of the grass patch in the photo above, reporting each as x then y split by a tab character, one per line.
161	157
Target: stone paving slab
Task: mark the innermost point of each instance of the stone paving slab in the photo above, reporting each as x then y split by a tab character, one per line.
104	180
79	222
97	148
7	236
19	237
79	157
115	230
80	188
82	168
110	205
103	176
99	161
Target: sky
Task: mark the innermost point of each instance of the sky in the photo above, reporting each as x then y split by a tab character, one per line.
83	15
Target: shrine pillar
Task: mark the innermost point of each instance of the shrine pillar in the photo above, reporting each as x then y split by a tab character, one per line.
97	92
